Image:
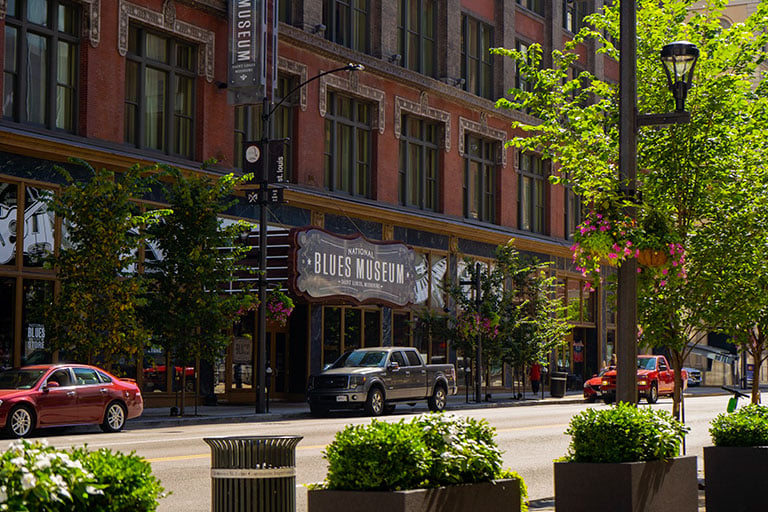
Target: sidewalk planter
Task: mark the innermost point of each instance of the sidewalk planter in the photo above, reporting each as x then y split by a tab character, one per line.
660	486
500	495
735	478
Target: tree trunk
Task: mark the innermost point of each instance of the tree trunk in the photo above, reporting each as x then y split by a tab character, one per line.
677	365
757	358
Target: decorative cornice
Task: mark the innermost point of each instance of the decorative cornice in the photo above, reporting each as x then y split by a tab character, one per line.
350	85
422	109
167	22
482	128
292	67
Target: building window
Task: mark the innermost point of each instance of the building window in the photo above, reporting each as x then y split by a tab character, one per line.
416	37
348	139
349	328
160	93
248	123
419	163
532	193
573	211
285	11
480	179
574	13
520	80
41	63
536	6
346	23
476	66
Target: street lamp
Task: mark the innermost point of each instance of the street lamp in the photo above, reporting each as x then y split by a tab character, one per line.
263	200
679	60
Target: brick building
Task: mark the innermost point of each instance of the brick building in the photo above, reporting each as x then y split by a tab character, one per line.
411	149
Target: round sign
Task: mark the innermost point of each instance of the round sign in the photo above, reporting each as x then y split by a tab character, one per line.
252	154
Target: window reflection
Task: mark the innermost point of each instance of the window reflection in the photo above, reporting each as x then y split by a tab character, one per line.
9	201
38	229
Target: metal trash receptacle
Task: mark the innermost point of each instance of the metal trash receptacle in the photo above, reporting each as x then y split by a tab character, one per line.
557	382
253	473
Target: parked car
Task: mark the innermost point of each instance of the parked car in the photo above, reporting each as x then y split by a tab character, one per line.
592	389
375	379
55	395
694	376
655	378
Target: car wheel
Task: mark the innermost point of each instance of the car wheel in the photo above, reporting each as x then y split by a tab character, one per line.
653	394
21	421
608	399
374	404
114	418
438	399
592	399
317	410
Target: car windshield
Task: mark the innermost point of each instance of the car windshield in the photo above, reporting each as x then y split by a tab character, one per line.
20	379
363	358
646	363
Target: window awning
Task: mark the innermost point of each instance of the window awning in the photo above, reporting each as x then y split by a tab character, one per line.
715	353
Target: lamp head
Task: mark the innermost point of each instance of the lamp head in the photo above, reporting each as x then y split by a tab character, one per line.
679	59
355	67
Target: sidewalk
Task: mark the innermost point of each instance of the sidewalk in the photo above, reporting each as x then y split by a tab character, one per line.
282	410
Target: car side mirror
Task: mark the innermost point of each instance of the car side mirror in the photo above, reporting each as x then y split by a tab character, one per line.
392	366
51	384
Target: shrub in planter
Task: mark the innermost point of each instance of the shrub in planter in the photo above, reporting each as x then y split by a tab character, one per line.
430	451
735	468
623	458
37	477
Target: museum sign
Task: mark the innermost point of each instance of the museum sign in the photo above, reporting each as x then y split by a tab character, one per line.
354	269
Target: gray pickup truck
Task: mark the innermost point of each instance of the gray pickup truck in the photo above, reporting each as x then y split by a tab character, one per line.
375	378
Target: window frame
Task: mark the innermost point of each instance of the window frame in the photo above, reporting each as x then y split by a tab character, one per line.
426	65
172	72
425	149
486	194
20	93
337	30
480	64
333	123
529	205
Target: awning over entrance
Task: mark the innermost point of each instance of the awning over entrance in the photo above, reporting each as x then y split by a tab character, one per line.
715	353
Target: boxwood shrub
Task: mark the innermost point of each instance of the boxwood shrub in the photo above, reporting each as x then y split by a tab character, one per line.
624	433
431	450
748	426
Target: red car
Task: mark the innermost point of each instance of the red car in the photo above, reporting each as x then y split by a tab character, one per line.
592	387
55	395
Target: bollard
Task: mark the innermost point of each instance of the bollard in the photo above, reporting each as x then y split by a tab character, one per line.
253	473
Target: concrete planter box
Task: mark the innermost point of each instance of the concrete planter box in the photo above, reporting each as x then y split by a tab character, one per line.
500	495
660	486
735	478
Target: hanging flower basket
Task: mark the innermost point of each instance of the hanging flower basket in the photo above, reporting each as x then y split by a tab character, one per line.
279	307
652	257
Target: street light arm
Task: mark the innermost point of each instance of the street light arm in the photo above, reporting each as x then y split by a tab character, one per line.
349	67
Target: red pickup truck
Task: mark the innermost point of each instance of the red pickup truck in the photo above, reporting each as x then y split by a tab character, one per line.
655	378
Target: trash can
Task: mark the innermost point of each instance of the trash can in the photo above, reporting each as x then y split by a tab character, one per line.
557	384
253	473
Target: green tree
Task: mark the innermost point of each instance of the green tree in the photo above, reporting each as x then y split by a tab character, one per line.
95	315
683	166
187	310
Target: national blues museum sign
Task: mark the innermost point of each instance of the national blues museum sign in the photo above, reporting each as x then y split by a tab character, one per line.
328	266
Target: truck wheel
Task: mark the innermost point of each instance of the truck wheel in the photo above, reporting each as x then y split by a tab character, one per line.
608	399
438	399
374	404
591	398
653	394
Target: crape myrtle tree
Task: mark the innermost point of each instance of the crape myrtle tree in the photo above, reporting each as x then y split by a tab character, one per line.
187	311
518	320
682	167
95	317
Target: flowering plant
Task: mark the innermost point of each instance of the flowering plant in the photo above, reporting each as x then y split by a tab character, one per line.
35	476
279	307
471	324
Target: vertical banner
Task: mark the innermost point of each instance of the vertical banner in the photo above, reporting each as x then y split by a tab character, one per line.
247	51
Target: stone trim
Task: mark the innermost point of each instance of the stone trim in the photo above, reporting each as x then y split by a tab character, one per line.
297	69
351	85
482	128
167	22
422	109
91	20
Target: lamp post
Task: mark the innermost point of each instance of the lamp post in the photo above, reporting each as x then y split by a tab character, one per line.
679	59
263	200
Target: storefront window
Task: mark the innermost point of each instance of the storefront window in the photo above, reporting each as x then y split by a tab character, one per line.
7	317
401	329
353	326
155	370
372	328
242	354
38	295
574	300
38	227
331	334
9	195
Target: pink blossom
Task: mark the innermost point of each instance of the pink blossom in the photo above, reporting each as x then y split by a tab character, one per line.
663	282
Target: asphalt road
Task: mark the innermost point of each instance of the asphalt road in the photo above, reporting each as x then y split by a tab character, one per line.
531	437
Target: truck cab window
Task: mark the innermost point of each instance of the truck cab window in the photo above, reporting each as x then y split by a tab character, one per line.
413	358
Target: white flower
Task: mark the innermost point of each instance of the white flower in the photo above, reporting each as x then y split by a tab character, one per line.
92	490
3	494
43	461
18	461
28	481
